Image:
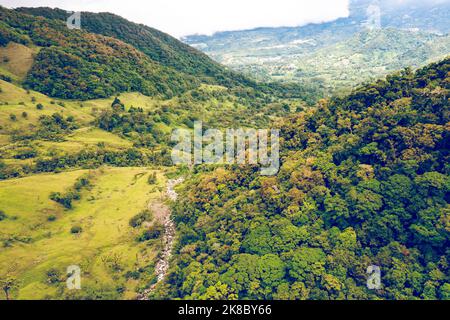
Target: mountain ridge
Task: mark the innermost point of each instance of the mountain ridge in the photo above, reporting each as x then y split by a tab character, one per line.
276	53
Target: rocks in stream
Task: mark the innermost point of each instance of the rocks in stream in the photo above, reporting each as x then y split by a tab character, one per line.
162	266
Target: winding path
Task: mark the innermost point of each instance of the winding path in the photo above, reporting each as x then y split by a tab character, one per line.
163	214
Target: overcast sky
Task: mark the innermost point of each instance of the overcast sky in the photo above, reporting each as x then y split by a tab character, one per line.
184	17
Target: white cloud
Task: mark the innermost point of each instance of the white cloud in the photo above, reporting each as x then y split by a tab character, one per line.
183	17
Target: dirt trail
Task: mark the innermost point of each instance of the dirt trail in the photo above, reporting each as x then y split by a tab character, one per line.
163	215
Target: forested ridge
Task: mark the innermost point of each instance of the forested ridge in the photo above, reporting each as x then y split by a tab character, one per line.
85	148
110	55
364	181
74	64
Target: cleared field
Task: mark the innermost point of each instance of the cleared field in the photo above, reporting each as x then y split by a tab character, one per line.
4	139
13	94
17	59
22	105
15	101
130	99
37	240
83	139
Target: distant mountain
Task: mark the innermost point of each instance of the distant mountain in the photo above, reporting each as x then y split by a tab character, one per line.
279	53
158	46
367	55
364	180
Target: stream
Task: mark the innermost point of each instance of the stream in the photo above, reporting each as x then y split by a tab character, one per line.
162	266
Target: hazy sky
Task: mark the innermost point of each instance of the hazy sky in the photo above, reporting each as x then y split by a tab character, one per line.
183	17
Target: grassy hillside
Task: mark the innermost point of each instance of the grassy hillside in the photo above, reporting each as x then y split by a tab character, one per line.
51	219
158	46
39	242
16	59
55	143
42	134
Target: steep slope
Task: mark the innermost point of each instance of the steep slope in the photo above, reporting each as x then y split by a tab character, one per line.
171	53
364	182
75	64
158	46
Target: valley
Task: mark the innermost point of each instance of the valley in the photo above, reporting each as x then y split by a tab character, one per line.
87	179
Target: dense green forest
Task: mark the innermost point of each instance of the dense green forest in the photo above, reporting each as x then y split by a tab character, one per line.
364	181
159	46
80	65
335	56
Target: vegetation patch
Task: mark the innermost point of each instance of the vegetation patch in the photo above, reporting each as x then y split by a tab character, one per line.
74	193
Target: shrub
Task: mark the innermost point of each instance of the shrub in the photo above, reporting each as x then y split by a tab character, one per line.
76	230
39	106
140	218
65	200
189	123
152	233
135	275
53	276
26	153
2	215
82	183
5	78
152	179
118	105
165	118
